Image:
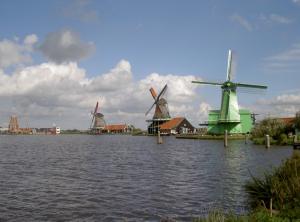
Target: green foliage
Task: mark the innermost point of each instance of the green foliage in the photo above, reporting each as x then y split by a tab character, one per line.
282	139
137	131
220	216
260	215
297	121
72	131
279	189
272	127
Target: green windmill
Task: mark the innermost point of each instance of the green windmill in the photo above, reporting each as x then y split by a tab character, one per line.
230	117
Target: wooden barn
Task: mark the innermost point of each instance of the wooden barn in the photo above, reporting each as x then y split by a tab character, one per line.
117	128
178	125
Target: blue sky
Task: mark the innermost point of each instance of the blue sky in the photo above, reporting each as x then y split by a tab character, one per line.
181	38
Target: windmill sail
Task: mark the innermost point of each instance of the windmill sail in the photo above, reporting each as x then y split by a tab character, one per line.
160	103
229	63
94	113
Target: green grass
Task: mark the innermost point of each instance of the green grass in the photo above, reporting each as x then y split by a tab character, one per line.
257	216
284	141
210	137
278	191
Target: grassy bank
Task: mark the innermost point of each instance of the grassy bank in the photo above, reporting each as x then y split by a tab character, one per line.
210	137
278	191
257	216
282	140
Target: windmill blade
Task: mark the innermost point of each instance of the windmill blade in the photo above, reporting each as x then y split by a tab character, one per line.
251	86
94	113
228	78
208	83
96	108
153	93
162	92
253	91
150	108
92	121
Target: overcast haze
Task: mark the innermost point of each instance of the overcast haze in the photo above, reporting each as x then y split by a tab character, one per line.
58	58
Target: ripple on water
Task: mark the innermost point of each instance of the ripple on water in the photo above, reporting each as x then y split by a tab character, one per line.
118	178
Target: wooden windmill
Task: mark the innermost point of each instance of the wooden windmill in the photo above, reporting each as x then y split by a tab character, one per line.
161	113
98	123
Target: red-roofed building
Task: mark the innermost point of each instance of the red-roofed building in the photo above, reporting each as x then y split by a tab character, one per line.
288	120
176	125
117	128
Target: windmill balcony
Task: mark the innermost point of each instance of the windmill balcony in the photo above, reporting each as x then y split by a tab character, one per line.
228	121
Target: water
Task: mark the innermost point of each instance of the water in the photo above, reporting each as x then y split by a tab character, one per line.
124	178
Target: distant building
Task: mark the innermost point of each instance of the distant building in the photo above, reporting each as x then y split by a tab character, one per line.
178	125
117	128
287	120
13	126
56	130
3	130
47	131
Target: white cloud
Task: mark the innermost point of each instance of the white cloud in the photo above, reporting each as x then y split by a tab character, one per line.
65	46
15	53
275	18
63	94
284	105
242	21
81	10
280	19
117	78
287	61
30	39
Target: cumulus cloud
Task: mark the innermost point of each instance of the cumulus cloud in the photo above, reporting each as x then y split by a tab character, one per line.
65	46
242	21
16	53
63	94
286	104
117	78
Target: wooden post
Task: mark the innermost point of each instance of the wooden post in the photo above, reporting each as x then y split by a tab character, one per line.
267	141
246	138
225	138
159	138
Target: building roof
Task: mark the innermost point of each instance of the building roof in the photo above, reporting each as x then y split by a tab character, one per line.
171	124
287	120
115	127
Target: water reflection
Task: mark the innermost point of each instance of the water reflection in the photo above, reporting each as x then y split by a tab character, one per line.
110	178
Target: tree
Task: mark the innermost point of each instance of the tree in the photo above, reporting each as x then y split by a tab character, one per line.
270	126
297	121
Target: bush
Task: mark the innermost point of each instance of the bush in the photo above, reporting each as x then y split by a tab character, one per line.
272	127
279	190
282	140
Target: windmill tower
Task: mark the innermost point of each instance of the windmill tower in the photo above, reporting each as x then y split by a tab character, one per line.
98	123
161	113
230	117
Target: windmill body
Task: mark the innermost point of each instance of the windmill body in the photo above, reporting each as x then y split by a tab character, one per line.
230	117
98	123
161	113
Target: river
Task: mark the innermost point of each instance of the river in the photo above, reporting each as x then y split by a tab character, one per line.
125	178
